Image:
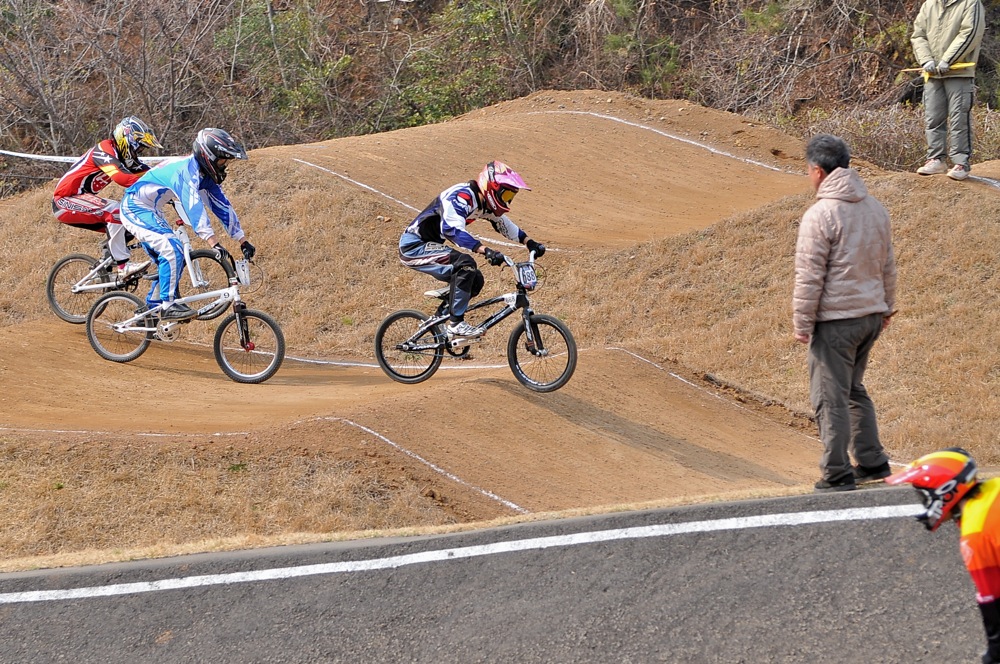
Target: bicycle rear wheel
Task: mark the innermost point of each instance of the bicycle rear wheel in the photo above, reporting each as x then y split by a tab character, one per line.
109	310
253	355
66	273
403	355
548	362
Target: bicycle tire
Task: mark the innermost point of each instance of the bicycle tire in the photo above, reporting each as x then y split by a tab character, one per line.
405	366
67	305
258	362
216	277
548	372
112	308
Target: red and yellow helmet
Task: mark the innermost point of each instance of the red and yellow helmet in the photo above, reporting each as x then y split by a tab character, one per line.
131	136
498	184
943	479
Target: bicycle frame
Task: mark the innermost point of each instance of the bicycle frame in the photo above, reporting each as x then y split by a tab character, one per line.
512	302
193	269
223	295
83	286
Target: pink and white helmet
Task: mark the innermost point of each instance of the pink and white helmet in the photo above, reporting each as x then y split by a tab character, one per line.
498	184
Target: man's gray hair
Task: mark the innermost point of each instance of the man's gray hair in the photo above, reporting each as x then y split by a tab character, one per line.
829	152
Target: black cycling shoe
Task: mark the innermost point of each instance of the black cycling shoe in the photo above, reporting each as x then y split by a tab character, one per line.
178	312
845	483
871	474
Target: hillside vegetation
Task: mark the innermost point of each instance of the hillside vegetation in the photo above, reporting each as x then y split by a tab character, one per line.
284	72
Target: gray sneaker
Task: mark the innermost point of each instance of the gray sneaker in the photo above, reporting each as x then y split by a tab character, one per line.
933	167
959	172
463	329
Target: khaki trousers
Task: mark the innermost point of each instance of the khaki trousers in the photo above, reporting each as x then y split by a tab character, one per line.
947	113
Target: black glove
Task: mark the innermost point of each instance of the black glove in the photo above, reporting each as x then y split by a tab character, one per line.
493	257
249	251
223	254
539	249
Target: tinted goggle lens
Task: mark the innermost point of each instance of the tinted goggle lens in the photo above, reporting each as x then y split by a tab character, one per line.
507	195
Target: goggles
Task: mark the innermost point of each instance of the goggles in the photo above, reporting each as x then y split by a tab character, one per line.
506	195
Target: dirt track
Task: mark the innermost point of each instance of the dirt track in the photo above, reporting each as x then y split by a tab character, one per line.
624	430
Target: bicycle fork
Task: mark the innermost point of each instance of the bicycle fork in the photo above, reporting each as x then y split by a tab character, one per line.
241	322
533	338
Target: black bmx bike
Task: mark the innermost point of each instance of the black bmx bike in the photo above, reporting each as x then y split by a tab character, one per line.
541	351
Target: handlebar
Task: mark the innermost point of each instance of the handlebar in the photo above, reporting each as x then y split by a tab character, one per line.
512	263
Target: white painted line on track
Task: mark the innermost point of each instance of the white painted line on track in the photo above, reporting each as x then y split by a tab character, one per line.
151	434
720	397
358	184
680	139
703	389
985	180
429	464
477	551
369	365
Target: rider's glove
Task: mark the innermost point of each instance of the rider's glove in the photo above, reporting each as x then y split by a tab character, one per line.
222	252
249	251
930	68
536	247
493	257
943	67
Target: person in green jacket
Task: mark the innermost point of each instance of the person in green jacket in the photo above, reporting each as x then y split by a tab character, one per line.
946	38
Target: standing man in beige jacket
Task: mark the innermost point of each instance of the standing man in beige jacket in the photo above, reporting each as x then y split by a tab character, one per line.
946	38
845	291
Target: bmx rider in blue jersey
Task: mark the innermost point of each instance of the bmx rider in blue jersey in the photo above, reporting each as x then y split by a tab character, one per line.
192	184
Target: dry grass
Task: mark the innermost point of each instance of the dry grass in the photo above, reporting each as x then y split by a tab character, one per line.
61	498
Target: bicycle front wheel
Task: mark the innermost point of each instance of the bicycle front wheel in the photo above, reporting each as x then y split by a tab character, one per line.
545	361
249	346
109	310
404	355
69	271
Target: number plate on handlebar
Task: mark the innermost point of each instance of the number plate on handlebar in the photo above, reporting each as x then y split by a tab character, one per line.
526	275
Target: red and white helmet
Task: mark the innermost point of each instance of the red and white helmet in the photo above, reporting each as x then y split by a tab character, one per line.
943	479
498	184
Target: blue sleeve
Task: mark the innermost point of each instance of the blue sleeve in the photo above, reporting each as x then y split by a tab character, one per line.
457	205
212	195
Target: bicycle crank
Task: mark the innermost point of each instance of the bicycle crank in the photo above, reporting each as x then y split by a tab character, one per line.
168	331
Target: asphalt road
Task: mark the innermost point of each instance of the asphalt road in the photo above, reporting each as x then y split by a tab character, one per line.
830	578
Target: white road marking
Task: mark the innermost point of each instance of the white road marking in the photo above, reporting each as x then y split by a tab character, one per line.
459	553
